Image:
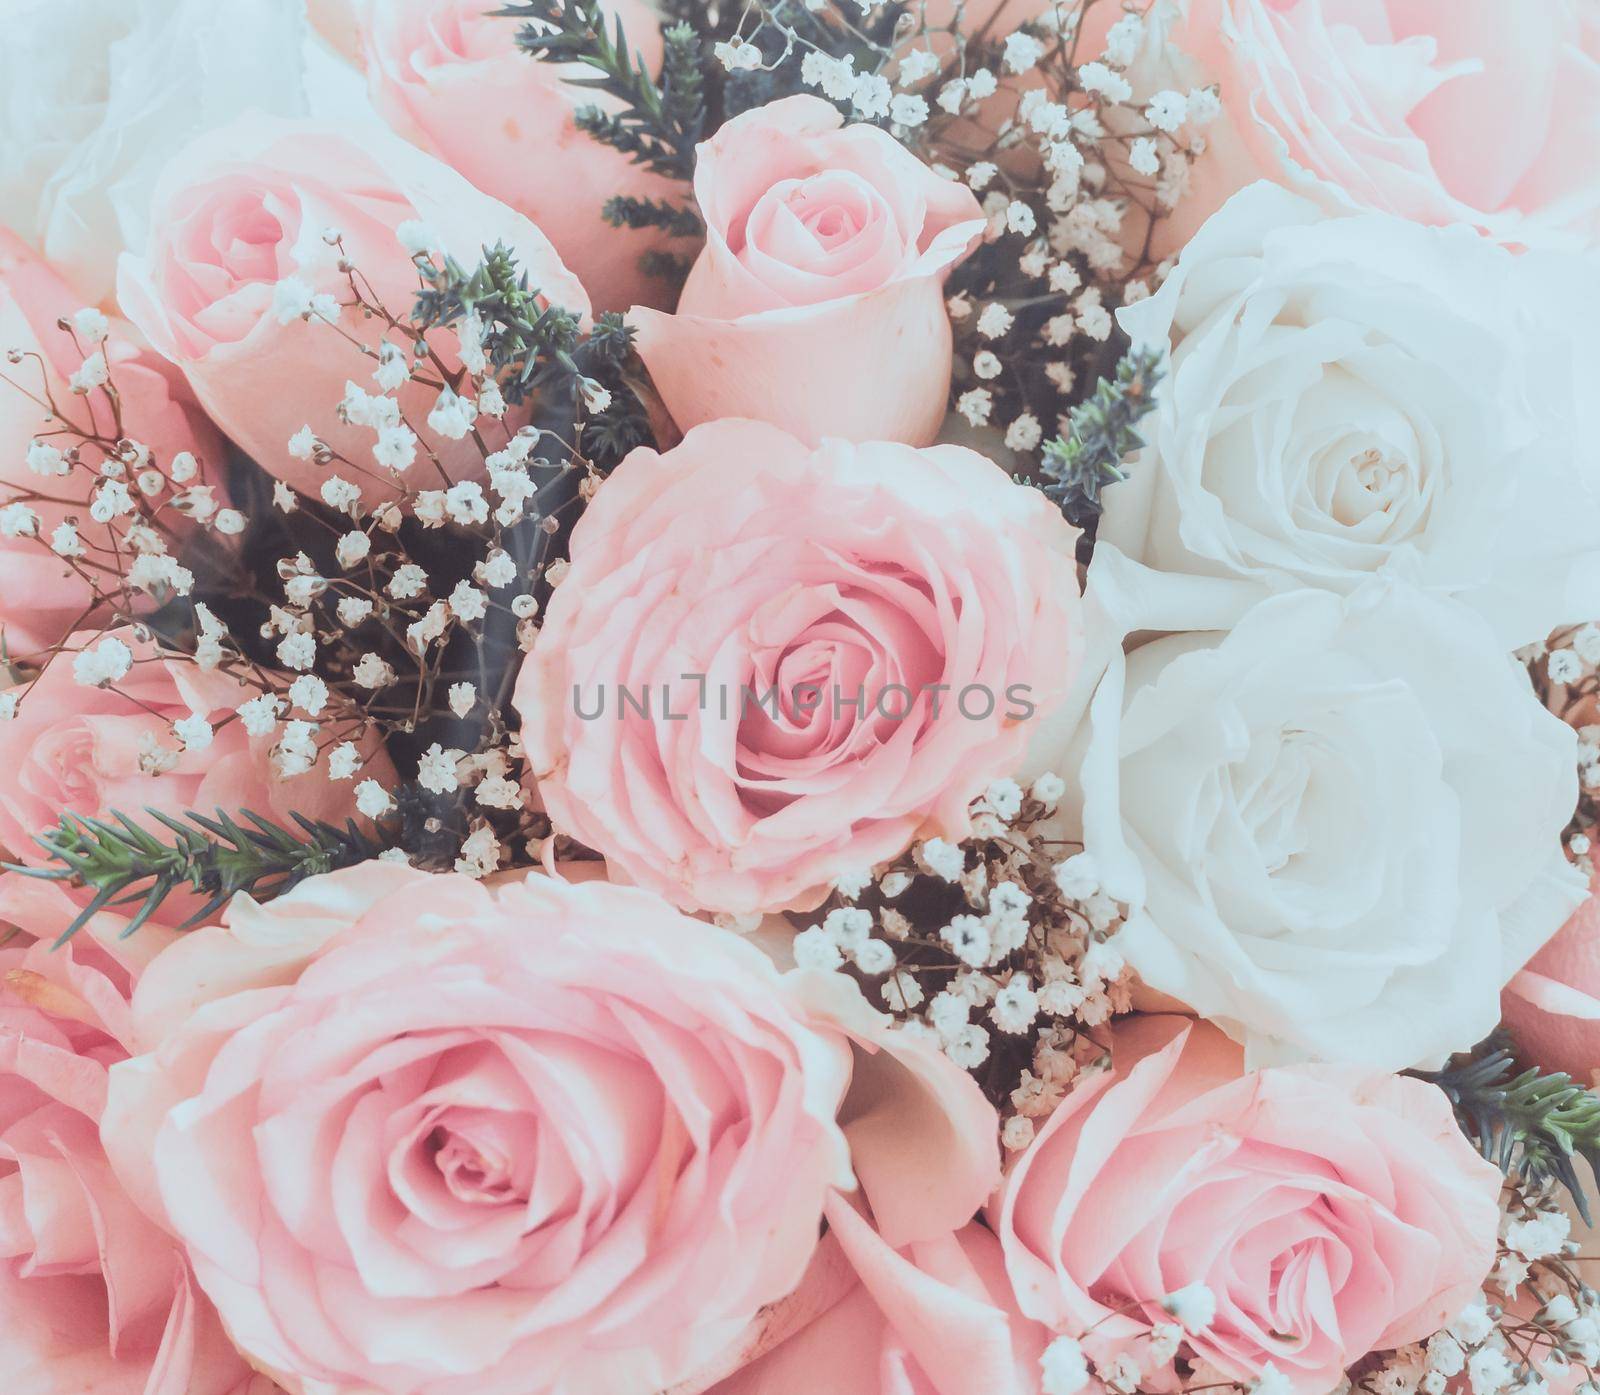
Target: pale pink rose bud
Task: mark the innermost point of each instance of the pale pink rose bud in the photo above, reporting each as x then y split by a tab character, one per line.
817	303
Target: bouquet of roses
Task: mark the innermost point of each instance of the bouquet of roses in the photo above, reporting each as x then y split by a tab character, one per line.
816	697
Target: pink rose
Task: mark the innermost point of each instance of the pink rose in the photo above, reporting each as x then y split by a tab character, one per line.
73	748
96	1298
421	1134
1442	111
1552	1006
936	1319
818	302
837	650
244	209
42	595
1330	1210
434	67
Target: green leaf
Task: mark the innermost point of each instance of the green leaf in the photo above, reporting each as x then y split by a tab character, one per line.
1533	1125
126	864
1103	432
656	123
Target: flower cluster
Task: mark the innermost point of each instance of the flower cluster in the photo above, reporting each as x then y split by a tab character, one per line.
893	697
997	947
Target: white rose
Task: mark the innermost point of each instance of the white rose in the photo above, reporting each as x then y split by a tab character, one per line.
1354	395
99	94
1336	818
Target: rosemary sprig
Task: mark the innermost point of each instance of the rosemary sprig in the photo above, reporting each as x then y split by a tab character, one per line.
656	123
1103	433
216	858
1531	1124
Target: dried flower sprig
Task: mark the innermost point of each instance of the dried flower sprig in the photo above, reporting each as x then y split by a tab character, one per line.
997	948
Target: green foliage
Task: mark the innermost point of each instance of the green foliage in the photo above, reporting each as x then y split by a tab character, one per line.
624	211
541	350
1103	432
529	343
656	123
1531	1124
125	863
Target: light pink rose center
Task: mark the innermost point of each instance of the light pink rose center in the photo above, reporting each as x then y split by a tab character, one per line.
227	256
484	1155
847	664
62	769
820	237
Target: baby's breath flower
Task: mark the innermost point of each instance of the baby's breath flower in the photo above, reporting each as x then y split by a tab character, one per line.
309	693
1020	218
297	651
465	503
436	771
18	521
908	109
352	548
392	371
416	237
1122	40
339	493
463	698
396	447
994	321
64	541
1194	1306
194	731
815	950
260	714
91	325
1142	157
1015	1006
45	459
480	852
452	416
372	800
1022	51
107	662
1564	666
871	95
408	581
1064	1367
291	300
352	610
975	405
915	65
303	444
1167	110
467	602
1024	433
1098	78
